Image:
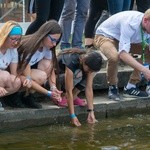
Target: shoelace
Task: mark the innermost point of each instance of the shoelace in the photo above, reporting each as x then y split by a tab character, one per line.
114	90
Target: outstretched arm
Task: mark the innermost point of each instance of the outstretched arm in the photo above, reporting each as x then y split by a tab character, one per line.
128	59
69	87
89	97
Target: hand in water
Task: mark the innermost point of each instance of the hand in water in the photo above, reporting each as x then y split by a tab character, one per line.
91	118
75	122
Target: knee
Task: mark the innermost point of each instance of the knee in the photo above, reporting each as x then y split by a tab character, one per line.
42	78
6	77
17	83
114	58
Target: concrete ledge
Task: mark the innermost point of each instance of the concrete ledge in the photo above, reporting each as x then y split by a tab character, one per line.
100	81
12	119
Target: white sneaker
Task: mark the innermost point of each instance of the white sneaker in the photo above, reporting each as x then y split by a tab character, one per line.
1	107
148	89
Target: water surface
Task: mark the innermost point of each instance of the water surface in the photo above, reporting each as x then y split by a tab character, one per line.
125	133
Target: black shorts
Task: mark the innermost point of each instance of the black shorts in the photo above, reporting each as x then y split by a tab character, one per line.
35	66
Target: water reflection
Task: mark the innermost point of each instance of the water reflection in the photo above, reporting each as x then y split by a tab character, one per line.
126	133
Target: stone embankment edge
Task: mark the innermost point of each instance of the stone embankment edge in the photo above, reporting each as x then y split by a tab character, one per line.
23	118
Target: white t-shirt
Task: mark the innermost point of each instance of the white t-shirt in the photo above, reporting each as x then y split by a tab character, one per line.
11	56
125	27
39	55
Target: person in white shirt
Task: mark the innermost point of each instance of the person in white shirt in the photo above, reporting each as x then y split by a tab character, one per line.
37	62
114	37
10	37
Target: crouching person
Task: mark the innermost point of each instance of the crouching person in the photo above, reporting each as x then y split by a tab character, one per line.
37	60
10	37
77	70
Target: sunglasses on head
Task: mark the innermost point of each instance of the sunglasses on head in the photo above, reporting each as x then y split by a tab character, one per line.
53	39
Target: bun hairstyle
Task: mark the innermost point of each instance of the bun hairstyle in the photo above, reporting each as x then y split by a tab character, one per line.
93	60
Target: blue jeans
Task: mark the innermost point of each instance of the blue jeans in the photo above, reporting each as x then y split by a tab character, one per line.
74	10
116	6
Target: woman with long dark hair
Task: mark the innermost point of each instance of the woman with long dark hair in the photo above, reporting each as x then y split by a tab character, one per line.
77	70
37	61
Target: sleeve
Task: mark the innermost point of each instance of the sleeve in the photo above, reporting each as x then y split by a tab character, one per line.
48	54
71	61
14	56
126	33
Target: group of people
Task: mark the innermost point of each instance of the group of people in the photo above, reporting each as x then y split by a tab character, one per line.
29	62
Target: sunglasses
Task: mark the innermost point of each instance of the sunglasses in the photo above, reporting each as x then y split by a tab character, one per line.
53	39
15	39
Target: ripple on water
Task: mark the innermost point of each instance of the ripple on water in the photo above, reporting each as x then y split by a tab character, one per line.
109	148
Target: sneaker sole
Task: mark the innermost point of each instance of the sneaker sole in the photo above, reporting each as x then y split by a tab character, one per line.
133	96
1	109
114	99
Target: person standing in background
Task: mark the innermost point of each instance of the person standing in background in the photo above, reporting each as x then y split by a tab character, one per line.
31	10
95	12
116	6
74	10
95	18
47	10
142	6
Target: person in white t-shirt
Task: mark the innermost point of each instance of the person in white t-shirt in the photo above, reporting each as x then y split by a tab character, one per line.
10	37
114	38
37	61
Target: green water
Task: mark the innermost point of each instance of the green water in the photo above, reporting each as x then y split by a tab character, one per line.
125	133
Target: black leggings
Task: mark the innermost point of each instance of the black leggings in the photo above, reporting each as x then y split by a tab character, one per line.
96	9
45	10
142	5
31	7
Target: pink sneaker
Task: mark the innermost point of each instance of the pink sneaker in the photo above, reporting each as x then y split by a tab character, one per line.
62	103
80	102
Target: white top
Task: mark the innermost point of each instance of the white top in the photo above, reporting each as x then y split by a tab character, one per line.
125	27
39	55
11	56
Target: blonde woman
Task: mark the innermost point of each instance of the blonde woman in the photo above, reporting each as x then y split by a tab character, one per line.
10	37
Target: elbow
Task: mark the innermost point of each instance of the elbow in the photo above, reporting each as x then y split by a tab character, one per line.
121	55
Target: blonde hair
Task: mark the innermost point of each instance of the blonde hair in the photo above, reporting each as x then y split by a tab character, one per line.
147	13
5	30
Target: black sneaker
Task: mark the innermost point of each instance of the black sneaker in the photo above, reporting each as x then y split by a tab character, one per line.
113	93
134	93
30	101
14	100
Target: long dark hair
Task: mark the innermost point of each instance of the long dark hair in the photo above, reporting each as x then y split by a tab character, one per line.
91	58
30	44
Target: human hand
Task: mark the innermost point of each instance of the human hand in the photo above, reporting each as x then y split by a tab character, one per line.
56	95
91	118
75	122
3	92
27	83
146	74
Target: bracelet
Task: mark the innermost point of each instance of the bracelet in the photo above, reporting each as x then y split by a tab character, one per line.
49	93
89	110
72	116
28	77
53	87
